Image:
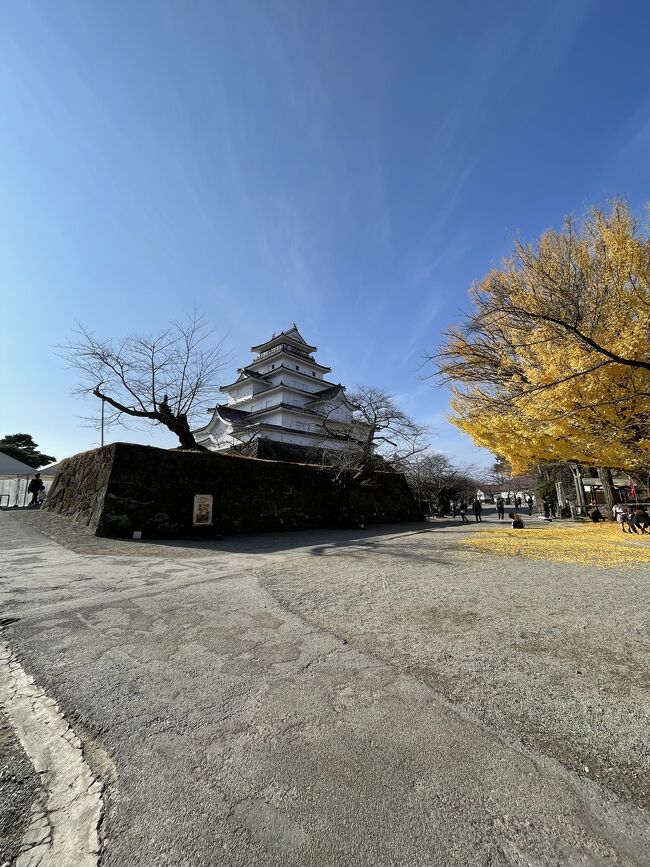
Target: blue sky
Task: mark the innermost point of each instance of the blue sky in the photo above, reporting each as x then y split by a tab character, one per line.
350	166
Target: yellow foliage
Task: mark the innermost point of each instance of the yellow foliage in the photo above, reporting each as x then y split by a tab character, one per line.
554	363
590	544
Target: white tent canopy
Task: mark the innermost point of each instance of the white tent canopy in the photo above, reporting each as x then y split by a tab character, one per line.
10	468
14	479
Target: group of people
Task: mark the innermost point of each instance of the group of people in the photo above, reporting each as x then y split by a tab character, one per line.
461	508
633	519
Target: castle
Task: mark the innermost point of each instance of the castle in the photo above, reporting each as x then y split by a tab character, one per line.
282	396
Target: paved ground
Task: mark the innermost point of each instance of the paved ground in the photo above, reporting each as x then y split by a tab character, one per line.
285	699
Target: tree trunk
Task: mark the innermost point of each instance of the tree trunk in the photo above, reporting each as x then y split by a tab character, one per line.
179	426
611	495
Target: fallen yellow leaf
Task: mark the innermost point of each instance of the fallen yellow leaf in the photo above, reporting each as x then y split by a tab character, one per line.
591	544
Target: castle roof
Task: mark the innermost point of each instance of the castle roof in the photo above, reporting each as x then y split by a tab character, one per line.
238	416
290	336
279	351
246	372
328	393
227	413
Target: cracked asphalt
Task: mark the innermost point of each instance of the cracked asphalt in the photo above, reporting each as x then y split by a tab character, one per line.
255	701
18	786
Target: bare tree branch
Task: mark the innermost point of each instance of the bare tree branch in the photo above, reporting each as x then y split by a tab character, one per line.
168	378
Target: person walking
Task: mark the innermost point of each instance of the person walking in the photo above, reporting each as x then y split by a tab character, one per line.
33	488
501	508
618	511
477	509
529	503
462	509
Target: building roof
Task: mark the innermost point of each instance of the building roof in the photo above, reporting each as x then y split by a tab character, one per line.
292	335
327	393
51	469
302	373
244	374
248	372
516	483
10	467
595	481
306	361
264	378
227	413
299	410
285	386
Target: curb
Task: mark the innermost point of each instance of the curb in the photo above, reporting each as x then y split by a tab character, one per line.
65	816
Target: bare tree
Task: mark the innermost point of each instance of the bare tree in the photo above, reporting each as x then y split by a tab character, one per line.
380	436
435	480
168	378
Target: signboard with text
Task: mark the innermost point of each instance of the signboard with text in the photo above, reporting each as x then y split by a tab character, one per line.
202	510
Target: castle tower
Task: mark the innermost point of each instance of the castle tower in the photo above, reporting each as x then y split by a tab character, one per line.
281	396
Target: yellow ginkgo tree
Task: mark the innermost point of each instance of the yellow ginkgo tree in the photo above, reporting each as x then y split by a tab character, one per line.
553	362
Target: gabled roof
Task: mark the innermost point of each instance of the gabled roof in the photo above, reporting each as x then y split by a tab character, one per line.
248	372
307	361
292	335
227	413
299	410
240	417
244	374
285	386
293	332
327	393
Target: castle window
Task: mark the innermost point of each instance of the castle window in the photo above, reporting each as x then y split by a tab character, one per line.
297	368
313	373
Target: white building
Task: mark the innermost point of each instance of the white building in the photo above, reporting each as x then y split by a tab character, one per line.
282	396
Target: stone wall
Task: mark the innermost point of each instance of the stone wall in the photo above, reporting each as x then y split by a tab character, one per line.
80	486
272	450
123	488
